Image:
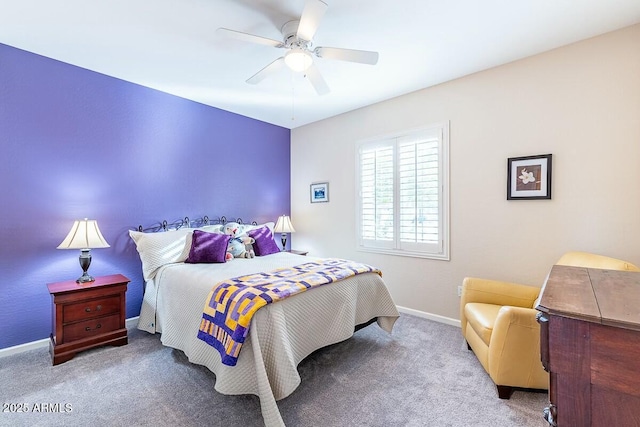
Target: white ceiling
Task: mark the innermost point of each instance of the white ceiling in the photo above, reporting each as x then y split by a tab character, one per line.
172	45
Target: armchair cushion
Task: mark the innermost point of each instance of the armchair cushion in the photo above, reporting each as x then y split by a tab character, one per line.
482	317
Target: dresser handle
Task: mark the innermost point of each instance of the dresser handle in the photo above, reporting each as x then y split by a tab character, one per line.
550	415
543	320
98	326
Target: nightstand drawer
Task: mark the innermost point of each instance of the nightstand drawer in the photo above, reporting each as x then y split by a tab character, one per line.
91	308
90	328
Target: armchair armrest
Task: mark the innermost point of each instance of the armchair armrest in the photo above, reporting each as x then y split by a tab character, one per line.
514	351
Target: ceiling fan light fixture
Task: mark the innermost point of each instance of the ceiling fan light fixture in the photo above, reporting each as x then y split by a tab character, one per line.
298	59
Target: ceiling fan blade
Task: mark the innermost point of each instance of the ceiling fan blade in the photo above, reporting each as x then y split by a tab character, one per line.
310	20
266	71
316	79
351	55
246	37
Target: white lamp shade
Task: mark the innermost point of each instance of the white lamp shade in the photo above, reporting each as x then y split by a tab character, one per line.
284	225
84	234
298	60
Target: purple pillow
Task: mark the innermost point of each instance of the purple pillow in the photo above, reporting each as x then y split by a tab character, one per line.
264	243
208	247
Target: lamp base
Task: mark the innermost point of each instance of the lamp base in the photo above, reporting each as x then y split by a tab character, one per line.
283	239
85	262
85	278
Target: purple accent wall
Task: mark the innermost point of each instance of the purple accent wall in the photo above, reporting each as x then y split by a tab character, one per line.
75	143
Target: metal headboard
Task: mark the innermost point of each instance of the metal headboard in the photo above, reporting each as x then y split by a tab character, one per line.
186	222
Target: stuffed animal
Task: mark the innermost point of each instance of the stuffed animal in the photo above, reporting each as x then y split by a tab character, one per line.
238	246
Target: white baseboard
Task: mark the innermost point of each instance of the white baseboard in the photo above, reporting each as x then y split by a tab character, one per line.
430	316
132	322
9	351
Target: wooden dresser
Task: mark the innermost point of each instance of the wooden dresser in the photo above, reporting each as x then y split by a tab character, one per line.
590	345
87	315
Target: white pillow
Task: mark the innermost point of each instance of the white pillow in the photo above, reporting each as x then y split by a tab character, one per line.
217	228
248	227
158	249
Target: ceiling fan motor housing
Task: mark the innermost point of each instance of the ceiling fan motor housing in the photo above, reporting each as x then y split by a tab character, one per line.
290	36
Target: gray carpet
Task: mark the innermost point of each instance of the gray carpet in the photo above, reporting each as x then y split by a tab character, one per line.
421	375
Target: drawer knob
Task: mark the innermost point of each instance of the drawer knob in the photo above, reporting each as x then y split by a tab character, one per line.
88	328
88	309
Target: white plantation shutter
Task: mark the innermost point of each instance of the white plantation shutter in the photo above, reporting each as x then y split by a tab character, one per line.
419	187
403	189
377	194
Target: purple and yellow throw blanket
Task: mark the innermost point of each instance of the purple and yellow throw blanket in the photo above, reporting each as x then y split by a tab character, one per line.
232	303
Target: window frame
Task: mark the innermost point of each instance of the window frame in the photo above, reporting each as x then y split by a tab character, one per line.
438	251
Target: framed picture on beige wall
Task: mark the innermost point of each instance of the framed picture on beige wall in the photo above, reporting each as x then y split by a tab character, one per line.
319	192
529	177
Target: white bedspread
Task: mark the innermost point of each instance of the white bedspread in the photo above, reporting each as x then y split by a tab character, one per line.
281	334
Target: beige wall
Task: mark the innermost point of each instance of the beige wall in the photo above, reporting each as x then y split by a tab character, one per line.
581	103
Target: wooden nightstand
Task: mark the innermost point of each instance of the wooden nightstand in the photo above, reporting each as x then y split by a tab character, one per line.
87	315
303	253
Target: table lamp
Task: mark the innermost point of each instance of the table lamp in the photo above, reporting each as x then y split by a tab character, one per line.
284	226
84	235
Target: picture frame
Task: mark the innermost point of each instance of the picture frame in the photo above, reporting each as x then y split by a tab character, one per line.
319	192
529	178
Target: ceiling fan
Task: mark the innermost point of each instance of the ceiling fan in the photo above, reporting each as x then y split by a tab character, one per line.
298	41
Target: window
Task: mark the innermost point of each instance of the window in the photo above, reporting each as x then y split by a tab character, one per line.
403	193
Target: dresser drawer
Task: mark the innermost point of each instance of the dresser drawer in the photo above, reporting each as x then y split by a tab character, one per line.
90	328
90	309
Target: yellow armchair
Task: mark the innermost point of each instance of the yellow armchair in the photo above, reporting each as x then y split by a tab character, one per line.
498	321
585	259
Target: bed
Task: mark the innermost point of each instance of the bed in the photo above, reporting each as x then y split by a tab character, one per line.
281	334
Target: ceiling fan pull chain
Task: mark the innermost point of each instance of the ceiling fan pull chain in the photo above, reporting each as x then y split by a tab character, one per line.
293	99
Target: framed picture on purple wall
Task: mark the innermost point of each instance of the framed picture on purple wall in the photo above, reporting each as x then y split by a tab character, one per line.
319	192
529	178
